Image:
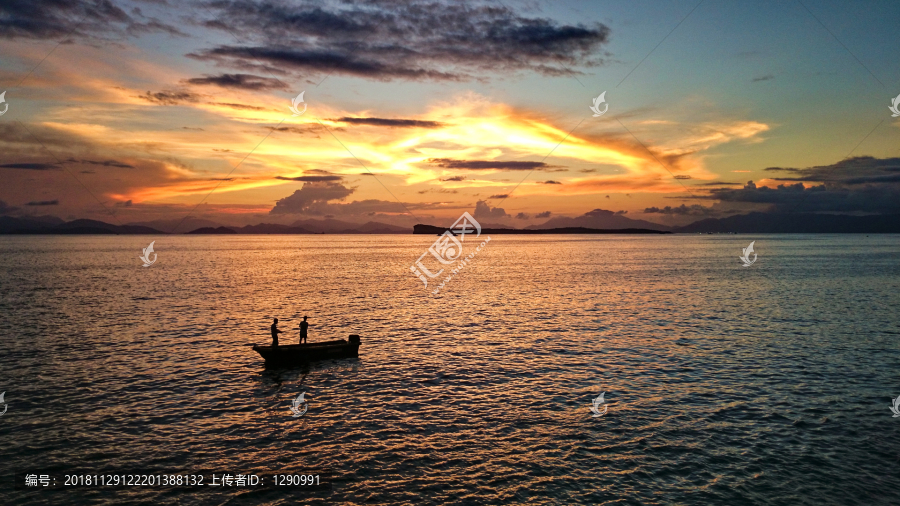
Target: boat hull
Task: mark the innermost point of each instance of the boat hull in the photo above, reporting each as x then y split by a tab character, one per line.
292	354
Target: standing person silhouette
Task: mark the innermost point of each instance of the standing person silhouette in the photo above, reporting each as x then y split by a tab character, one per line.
275	332
303	329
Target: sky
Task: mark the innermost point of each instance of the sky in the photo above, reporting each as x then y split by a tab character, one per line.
413	112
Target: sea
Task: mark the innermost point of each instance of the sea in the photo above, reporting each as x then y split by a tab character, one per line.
550	370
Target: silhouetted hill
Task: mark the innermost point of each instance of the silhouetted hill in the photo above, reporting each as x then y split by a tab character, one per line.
189	223
211	230
432	230
271	228
52	225
10	225
598	219
46	218
331	226
94	226
774	223
374	227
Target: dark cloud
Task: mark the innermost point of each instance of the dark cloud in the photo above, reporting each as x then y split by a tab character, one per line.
386	122
454	178
384	39
851	171
766	77
682	176
241	106
310	196
153	25
890	178
447	163
499	196
825	198
545	214
435	190
304	130
523	216
30	166
103	163
170	97
53	19
862	184
321	199
553	182
311	179
719	183
682	210
322	61
483	210
43	203
620	213
39	137
239	81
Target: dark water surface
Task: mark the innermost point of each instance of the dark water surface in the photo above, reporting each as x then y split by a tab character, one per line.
728	385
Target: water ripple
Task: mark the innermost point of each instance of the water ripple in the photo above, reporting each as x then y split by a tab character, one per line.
724	385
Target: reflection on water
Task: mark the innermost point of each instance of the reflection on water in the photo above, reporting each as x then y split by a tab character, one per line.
768	384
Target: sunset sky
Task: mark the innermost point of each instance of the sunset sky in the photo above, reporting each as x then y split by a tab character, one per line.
417	111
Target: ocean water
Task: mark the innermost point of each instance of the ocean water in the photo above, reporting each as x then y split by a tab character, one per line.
768	384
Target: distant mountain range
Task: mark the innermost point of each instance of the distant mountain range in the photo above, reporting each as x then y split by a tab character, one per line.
10	225
431	230
594	222
53	225
775	223
183	225
598	219
307	227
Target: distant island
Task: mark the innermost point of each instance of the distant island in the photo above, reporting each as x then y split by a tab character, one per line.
432	230
56	226
597	221
211	230
52	225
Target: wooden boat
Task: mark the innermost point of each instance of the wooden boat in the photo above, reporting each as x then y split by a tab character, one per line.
290	354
